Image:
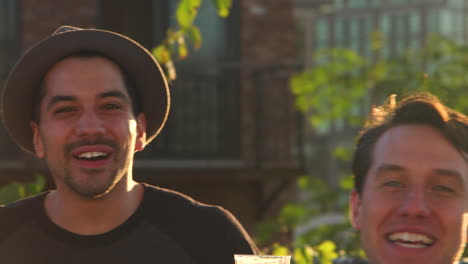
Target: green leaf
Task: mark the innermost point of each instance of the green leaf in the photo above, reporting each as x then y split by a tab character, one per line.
182	47
194	36
347	183
171	70
266	230
187	11
20	190
223	7
304	255
9	194
280	250
38	185
291	214
303	182
327	252
377	40
342	153
162	54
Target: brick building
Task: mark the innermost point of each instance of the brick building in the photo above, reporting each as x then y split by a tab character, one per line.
232	135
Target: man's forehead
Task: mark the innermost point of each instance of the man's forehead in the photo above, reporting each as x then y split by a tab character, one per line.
417	147
73	71
406	137
83	77
57	98
79	64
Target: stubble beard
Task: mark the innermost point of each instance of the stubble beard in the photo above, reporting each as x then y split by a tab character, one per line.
91	188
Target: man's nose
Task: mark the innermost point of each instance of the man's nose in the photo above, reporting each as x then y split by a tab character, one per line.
414	203
89	123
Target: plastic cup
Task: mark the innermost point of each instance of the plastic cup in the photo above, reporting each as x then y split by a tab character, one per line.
259	259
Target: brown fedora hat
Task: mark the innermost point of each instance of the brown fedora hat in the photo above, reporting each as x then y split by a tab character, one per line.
26	75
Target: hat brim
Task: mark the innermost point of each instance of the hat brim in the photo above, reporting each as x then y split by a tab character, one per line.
26	75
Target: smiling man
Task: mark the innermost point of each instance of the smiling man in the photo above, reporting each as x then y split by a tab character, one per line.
410	201
84	101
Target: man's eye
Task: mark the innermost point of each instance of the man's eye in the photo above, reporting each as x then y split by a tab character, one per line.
64	110
112	106
443	189
394	184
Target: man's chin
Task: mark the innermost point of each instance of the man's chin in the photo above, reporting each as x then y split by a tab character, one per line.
408	255
92	191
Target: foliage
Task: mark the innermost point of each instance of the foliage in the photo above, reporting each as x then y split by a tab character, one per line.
323	243
20	190
323	253
341	87
337	77
439	69
175	45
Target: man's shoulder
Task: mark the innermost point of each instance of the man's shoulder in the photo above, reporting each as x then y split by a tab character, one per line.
22	205
13	215
174	207
165	199
187	220
21	208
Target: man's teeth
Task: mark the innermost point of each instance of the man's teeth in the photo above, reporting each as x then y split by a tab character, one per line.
411	240
409	245
90	155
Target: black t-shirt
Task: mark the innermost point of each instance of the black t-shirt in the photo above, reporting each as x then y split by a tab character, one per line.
167	227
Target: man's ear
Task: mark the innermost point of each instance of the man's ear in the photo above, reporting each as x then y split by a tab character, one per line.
141	132
37	140
355	209
465	219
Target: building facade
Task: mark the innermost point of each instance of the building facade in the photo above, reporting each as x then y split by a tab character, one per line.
403	23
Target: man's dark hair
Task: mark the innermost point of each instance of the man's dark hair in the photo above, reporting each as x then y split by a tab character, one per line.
128	82
422	108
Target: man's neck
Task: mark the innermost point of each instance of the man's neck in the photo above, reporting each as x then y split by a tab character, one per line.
92	216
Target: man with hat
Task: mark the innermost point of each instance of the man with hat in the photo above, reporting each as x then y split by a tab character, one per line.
84	101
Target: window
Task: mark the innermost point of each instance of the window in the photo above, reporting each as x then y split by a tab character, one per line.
375	3
364	36
433	20
9	51
341	32
8	36
456	3
446	22
204	119
358	3
353	33
321	33
414	30
339	4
